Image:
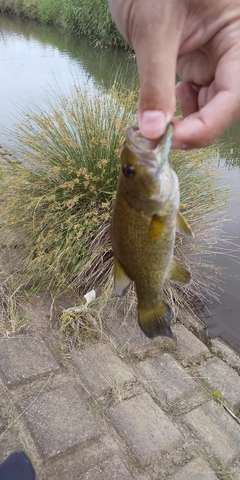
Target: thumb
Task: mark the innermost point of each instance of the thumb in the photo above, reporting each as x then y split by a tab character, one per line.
157	99
156	51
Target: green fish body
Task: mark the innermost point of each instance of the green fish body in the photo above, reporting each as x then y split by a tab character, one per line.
143	228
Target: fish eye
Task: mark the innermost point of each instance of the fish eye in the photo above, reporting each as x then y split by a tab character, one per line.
128	170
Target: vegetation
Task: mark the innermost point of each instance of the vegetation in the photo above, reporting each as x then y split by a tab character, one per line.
57	199
59	196
78	17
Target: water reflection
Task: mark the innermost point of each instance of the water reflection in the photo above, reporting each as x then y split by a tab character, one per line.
223	318
37	59
230	146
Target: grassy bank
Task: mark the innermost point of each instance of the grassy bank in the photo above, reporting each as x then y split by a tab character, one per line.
79	17
57	199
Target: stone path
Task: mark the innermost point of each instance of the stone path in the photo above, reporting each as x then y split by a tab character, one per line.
124	407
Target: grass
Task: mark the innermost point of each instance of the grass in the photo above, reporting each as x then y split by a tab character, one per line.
13	317
222	471
57	198
90	18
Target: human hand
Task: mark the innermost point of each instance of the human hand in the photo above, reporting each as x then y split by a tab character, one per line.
198	40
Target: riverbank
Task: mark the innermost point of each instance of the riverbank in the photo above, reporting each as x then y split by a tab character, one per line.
89	18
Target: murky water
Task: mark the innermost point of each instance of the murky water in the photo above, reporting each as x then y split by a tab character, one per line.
35	60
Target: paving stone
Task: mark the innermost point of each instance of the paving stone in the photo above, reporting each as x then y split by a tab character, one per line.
145	427
23	358
219	376
101	369
11	441
232	358
59	420
189	348
216	430
236	473
197	469
112	468
78	461
171	384
129	336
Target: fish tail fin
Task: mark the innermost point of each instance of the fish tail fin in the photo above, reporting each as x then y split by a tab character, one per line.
156	321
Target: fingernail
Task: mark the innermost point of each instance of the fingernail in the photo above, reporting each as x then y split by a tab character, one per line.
152	124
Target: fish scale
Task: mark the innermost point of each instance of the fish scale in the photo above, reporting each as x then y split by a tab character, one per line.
143	227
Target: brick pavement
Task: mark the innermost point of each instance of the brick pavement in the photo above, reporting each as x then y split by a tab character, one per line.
125	409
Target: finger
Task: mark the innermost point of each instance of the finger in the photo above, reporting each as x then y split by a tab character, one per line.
187	97
196	67
156	53
201	128
157	99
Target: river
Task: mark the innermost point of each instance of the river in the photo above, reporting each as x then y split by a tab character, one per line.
37	59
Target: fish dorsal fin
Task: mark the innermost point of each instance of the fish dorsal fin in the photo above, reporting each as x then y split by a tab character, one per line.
182	226
156	227
178	273
121	280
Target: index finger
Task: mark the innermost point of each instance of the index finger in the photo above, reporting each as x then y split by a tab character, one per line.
201	128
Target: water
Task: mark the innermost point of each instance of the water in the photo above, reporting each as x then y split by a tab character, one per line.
35	60
223	318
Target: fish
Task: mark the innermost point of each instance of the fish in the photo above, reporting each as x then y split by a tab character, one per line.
146	215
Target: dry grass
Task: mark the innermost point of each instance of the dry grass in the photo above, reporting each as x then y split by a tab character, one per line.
59	197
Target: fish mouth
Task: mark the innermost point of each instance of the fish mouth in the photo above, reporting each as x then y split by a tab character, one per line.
150	150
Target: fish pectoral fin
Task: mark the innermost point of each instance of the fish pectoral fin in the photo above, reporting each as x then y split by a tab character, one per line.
178	273
121	280
156	227
156	321
183	227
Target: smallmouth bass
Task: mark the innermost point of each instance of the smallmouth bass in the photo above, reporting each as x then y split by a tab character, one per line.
143	227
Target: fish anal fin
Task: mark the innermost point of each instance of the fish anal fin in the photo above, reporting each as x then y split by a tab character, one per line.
178	273
156	321
183	227
121	280
156	227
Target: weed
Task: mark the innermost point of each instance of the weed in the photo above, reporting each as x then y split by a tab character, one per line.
79	327
13	318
